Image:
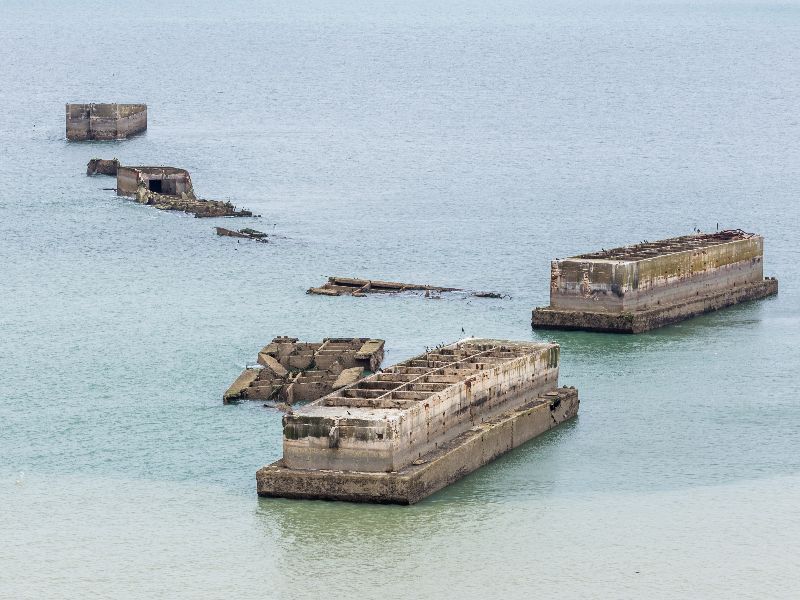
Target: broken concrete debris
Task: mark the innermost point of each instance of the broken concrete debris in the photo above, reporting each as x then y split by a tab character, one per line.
165	188
651	284
347	286
248	233
291	371
99	166
96	121
400	435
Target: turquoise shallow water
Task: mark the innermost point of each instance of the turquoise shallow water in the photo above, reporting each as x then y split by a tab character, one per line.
460	144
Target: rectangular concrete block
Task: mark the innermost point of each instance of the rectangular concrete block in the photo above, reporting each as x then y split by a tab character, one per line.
367	437
647	285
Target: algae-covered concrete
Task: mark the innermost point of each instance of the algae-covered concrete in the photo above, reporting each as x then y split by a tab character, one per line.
636	288
411	414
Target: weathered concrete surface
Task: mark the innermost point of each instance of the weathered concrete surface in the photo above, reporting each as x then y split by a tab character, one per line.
96	121
292	371
100	166
639	321
170	188
654	283
347	286
415	427
392	418
444	465
247	233
348	377
170	181
244	381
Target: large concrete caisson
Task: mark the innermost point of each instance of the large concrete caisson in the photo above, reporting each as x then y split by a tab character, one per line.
652	284
408	431
97	121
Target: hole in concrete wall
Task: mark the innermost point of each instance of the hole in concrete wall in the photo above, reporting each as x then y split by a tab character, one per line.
154	185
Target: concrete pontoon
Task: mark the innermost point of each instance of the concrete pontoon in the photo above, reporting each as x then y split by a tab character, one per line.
648	285
410	430
97	121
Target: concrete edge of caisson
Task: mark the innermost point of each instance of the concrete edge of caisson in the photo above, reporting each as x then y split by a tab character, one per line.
461	456
646	320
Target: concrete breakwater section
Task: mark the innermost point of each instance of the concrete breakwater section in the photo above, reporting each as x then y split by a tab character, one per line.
413	428
98	121
648	285
164	188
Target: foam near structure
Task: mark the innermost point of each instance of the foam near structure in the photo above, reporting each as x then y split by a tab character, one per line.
648	285
402	434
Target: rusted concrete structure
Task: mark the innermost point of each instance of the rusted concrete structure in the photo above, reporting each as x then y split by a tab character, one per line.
637	288
291	371
105	121
408	431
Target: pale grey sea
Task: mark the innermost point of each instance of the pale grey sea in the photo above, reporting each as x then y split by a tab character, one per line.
457	143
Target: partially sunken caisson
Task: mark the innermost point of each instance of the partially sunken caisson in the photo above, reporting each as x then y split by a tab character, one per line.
410	430
637	288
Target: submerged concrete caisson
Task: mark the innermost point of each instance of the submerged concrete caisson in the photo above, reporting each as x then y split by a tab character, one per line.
637	288
410	430
98	121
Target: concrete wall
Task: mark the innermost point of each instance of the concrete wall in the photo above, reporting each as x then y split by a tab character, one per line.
174	181
601	285
355	436
104	121
466	453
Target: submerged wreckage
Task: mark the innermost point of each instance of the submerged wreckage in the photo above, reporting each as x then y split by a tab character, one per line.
165	188
637	288
348	286
290	371
250	234
400	435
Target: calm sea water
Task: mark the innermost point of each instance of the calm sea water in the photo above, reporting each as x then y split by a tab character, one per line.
453	143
